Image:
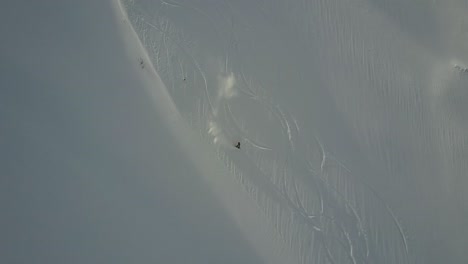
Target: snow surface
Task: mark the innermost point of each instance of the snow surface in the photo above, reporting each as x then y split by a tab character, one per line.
119	120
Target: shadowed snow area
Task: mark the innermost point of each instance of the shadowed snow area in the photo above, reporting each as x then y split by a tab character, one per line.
120	121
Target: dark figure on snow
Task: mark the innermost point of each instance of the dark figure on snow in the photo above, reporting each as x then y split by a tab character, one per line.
142	63
238	145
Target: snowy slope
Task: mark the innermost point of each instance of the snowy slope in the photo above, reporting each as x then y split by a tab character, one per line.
350	115
119	120
92	166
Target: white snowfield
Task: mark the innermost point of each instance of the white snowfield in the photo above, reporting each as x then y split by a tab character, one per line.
119	121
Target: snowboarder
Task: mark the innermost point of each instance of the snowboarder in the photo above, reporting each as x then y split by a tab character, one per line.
238	145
